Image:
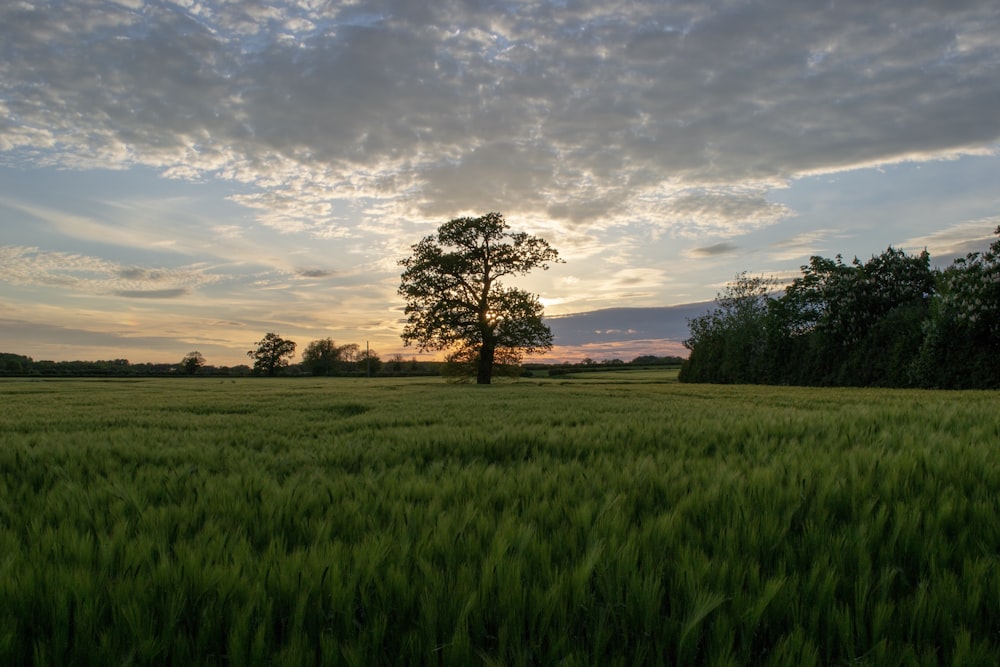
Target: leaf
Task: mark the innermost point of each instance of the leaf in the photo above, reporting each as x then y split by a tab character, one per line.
705	604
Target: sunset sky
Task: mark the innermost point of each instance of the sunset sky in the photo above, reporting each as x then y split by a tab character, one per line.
190	175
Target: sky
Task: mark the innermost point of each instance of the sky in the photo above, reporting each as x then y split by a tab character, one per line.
192	174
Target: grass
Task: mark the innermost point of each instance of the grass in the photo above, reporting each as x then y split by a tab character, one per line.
599	520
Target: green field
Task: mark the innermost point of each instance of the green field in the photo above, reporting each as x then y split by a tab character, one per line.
615	519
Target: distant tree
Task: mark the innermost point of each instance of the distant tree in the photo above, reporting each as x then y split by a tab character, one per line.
15	363
271	354
369	362
653	360
192	362
350	353
322	357
455	300
397	362
646	360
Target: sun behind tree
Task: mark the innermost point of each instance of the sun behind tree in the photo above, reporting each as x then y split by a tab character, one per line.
455	300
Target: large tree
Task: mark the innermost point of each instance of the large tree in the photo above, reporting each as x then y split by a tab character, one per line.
455	299
271	354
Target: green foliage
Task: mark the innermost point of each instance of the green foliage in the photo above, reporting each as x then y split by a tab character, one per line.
271	354
864	319
586	521
455	299
14	364
890	321
324	357
192	362
729	344
369	362
961	346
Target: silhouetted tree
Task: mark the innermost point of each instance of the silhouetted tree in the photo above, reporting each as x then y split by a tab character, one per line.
369	362
192	362
845	324
455	300
271	354
323	357
462	365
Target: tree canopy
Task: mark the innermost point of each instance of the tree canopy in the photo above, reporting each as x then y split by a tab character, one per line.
271	354
890	321
456	300
324	357
192	362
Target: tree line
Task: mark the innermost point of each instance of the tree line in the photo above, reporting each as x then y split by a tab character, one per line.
645	361
20	365
892	321
330	359
272	356
321	358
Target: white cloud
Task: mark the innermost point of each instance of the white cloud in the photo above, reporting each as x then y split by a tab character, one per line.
956	240
803	246
583	114
75	272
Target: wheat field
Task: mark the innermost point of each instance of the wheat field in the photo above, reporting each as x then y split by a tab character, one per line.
618	519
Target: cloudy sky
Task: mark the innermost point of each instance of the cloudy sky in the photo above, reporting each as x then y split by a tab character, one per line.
191	174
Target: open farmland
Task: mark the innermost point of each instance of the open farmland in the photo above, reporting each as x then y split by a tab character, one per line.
607	520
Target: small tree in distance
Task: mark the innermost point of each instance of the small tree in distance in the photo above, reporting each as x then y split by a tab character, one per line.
272	353
192	362
455	300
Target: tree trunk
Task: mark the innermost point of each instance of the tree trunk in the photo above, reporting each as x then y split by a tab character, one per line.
486	354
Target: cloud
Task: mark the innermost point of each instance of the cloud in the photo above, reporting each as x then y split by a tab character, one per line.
25	266
955	241
737	209
625	324
724	248
47	341
154	294
57	335
139	274
315	273
804	245
590	114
